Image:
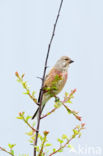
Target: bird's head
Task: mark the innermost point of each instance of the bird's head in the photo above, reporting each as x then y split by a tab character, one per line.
63	63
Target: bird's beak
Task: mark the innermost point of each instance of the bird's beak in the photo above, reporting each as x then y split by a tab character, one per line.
71	61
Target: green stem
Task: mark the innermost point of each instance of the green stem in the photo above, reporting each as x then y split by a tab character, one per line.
42	146
29	125
68	141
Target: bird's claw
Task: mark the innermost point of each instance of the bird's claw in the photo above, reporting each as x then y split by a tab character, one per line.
56	98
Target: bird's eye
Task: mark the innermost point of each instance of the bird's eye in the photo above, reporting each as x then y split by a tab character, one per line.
66	59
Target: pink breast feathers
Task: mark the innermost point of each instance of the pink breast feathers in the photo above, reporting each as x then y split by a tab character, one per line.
65	75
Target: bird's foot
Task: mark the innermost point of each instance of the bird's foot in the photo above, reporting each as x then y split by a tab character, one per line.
56	98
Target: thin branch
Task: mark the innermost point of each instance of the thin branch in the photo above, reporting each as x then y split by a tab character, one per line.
67	108
72	112
34	99
44	73
24	84
21	117
53	110
2	149
33	129
62	146
42	146
76	133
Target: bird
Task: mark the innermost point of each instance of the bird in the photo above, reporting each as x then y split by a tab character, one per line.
55	81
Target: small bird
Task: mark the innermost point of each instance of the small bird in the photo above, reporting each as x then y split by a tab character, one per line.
55	80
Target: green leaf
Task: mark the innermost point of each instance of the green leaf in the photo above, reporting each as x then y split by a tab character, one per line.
33	93
27	92
37	148
23	154
61	150
70	146
64	136
69	111
28	117
19	117
31	141
66	94
41	138
24	84
33	124
75	132
54	149
12	152
79	134
23	113
57	104
48	144
60	141
29	133
32	138
11	145
71	96
19	80
68	101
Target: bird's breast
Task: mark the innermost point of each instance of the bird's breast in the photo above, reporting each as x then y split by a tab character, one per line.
62	82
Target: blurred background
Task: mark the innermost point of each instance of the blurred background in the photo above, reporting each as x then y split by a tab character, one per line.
25	30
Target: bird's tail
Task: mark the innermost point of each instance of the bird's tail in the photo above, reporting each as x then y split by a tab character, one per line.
46	97
35	114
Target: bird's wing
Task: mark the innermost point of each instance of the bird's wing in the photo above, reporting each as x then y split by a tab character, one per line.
50	77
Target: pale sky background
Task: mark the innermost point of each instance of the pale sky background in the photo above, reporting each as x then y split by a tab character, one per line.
25	29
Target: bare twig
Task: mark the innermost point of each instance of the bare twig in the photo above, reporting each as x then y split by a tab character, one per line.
44	73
